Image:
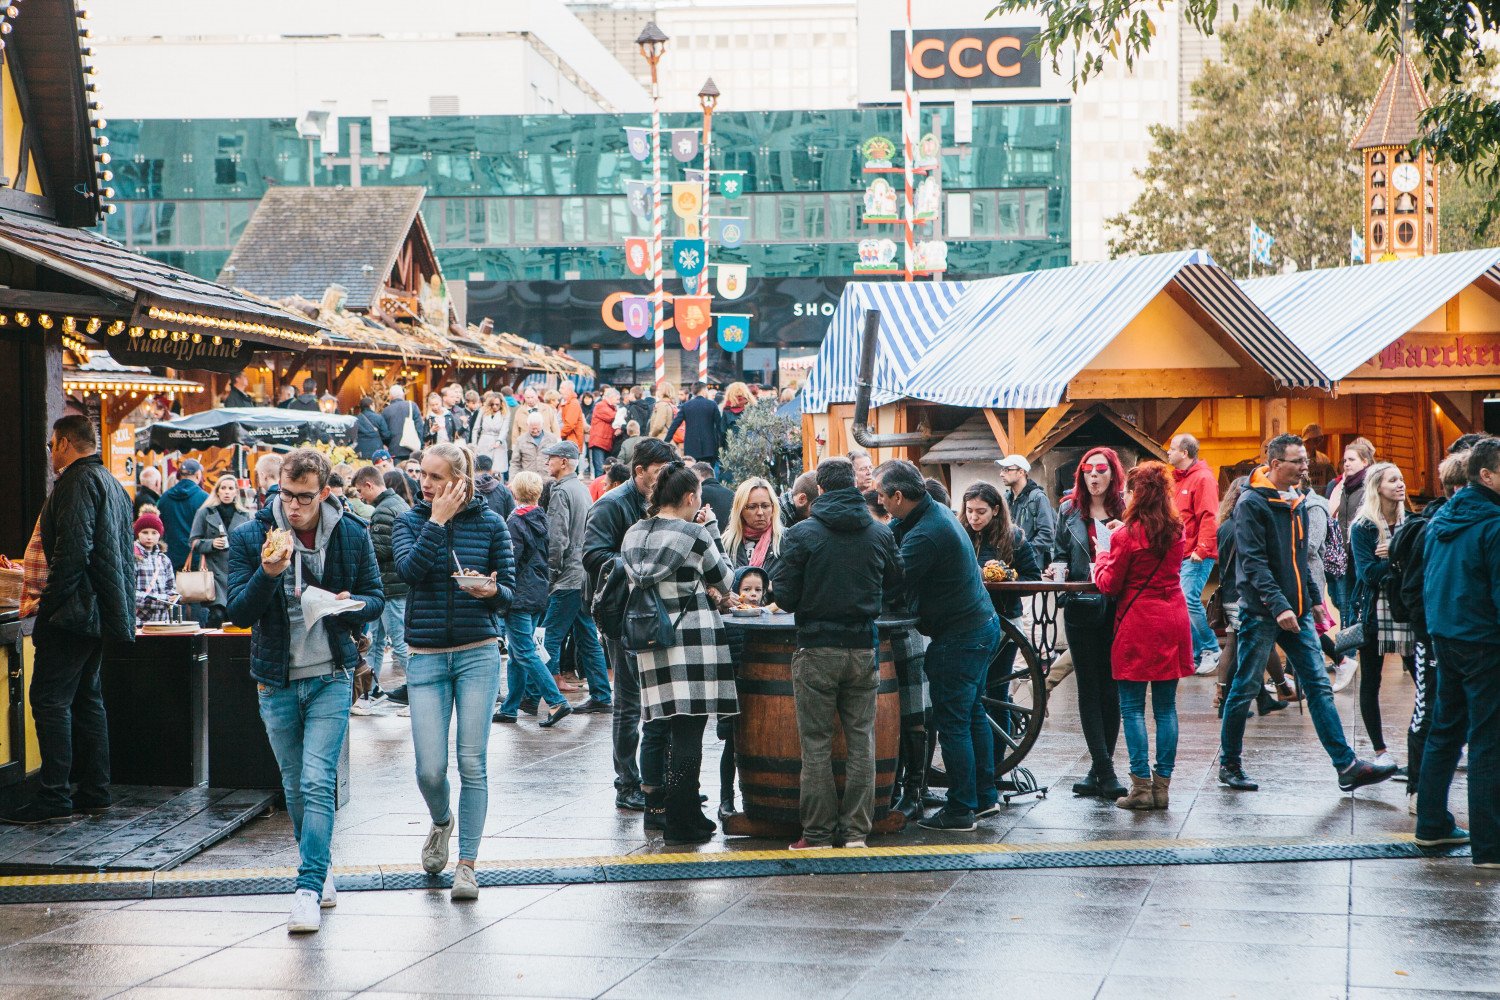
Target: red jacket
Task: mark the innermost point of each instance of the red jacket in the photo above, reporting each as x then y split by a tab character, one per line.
1198	503
601	429
571	415
1153	641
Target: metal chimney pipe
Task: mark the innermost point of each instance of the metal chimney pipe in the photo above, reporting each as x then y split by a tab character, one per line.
861	430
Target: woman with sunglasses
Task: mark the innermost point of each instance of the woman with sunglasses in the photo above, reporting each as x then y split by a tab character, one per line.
1087	518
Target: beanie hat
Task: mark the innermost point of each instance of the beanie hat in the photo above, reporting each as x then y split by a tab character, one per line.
149	520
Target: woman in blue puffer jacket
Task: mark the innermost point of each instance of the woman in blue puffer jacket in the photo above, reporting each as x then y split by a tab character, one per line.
453	635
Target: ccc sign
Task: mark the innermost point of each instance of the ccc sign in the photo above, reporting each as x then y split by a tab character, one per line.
966	59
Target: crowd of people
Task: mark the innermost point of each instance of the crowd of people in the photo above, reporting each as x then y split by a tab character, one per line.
511	540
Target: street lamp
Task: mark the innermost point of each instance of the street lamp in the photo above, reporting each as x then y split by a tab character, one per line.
708	99
653	43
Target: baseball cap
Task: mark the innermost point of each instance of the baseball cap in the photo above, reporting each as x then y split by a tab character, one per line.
562	449
190	466
381	455
1014	462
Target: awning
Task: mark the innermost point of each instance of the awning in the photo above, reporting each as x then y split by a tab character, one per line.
103	374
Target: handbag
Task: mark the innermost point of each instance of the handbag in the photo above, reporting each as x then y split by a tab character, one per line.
1088	610
410	439
195	585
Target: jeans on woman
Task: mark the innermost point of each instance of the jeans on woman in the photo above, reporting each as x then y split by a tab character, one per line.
390	625
525	673
436	685
656	743
1133	718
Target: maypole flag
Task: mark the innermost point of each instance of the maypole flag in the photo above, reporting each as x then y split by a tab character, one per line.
687	199
638	195
734	332
685	142
637	255
640	146
729	231
637	312
1356	247
732	184
731	280
691	314
687	257
1260	244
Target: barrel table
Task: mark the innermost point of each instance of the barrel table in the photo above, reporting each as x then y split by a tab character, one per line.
768	755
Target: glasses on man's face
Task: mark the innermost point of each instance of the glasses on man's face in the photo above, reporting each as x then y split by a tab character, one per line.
300	499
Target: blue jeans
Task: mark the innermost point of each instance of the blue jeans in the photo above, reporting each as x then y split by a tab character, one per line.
525	674
306	722
1194	579
957	667
390	625
1305	657
1341	593
1133	719
596	459
565	611
436	684
1468	709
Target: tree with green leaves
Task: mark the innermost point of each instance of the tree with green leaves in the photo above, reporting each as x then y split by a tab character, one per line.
1463	126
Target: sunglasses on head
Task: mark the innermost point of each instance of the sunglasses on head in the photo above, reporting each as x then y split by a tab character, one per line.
1096	467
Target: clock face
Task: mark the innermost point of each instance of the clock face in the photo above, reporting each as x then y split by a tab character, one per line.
1405	177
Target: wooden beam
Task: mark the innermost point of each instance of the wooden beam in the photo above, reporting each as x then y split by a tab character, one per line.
1387	386
342	375
294	365
1048	422
62	304
1167	383
1015	429
998	429
1164	428
1454	411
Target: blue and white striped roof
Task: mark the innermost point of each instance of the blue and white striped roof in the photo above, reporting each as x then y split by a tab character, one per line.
910	315
1344	316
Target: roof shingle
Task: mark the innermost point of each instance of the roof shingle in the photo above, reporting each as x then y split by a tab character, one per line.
1395	117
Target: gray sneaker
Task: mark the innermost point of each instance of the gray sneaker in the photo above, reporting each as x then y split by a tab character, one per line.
330	897
465	885
435	850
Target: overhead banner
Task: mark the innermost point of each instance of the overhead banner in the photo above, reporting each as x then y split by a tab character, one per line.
637	255
732	184
638	194
688	257
731	279
734	332
636	310
685	145
729	232
691	315
687	199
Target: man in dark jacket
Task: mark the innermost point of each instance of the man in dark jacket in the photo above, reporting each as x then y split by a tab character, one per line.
304	672
953	608
89	598
370	432
396	414
836	570
720	498
567	516
796	503
1461	594
308	400
603	532
391	625
1030	510
701	415
148	490
489	486
1279	602
237	394
178	507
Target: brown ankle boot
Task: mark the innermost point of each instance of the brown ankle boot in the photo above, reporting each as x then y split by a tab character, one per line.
1159	788
1140	795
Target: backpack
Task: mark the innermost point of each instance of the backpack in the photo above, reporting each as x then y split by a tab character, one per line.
1335	550
609	602
648	628
1405	564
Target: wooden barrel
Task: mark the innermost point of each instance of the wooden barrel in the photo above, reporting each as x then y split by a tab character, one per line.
767	752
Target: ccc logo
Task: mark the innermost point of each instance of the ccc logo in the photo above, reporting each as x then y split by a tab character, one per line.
956	59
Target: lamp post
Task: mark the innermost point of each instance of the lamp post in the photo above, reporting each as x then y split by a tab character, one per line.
652	43
708	99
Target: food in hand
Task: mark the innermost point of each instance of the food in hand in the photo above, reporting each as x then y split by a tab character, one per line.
278	545
996	571
6	562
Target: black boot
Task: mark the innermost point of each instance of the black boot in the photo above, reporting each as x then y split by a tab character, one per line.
1109	783
686	823
655	816
1266	703
914	775
1089	786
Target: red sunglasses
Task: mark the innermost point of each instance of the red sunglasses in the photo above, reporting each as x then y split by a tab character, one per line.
1096	467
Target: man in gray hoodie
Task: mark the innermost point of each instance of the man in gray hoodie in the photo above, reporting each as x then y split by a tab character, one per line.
567	513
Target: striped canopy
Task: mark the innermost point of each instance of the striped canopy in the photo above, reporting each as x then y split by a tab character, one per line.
1344	316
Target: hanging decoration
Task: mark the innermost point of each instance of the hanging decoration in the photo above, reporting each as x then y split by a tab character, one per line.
734	332
691	315
690	284
637	255
638	195
688	256
932	256
928	196
880	201
695	176
685	144
927	152
732	184
878	150
732	279
637	312
729	231
636	139
876	255
687	199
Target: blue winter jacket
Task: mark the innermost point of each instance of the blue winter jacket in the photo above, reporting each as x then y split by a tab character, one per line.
178	506
528	536
258	601
942	575
1461	588
439	614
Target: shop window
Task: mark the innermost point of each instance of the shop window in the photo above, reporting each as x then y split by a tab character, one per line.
1008	215
1035	204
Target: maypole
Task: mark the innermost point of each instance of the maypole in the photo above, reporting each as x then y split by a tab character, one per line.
708	97
909	150
652	43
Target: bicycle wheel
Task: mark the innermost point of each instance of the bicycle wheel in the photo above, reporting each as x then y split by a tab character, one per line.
1015	697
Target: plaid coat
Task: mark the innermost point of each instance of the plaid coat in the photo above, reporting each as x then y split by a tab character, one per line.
681	559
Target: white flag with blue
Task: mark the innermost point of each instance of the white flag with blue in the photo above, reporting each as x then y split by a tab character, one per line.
1260	244
1356	247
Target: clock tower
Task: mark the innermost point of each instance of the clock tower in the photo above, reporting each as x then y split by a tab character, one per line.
1401	187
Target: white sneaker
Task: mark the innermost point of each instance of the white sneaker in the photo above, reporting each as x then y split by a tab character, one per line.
856	842
361	707
1208	664
1344	671
465	885
305	917
1411	803
404	712
1384	759
330	897
435	850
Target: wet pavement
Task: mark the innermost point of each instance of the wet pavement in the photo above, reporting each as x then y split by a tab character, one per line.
1359	930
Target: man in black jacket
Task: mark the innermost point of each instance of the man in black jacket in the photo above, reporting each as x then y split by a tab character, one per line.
309	399
701	415
1279	602
370	432
836	570
396	414
720	498
237	394
88	599
608	520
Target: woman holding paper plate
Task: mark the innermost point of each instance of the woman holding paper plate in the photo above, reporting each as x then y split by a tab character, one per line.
454	553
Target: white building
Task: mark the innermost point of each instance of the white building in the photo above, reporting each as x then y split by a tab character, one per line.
279	58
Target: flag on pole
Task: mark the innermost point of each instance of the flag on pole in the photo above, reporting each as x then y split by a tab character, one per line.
1356	246
1260	244
635	139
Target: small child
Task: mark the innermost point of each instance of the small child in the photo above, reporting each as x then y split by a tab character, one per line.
155	581
751	585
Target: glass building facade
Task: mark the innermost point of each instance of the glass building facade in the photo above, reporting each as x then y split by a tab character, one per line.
541	198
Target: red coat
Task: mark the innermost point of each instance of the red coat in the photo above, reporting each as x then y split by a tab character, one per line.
1153	641
1198	503
601	427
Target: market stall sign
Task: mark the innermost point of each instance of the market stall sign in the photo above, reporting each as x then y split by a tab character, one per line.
228	355
1422	355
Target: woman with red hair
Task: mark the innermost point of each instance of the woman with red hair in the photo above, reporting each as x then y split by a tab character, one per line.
1153	642
1086	521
